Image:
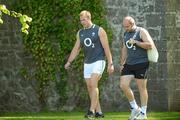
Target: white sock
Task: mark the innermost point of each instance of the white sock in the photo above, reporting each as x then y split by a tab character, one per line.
133	104
99	113
143	109
92	111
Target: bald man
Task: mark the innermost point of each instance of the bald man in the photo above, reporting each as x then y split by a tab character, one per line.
93	39
134	65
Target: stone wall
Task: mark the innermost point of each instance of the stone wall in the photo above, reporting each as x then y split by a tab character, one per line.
161	19
14	90
173	56
17	93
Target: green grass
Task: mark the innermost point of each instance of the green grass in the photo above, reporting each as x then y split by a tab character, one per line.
80	116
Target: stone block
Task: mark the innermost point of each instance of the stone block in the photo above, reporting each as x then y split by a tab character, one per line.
172	5
177	19
146	8
154	32
160	6
170	20
155	20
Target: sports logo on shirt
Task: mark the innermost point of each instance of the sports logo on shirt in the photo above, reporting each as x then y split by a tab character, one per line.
93	33
88	42
129	46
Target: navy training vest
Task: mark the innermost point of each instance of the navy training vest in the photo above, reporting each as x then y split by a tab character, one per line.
91	44
135	54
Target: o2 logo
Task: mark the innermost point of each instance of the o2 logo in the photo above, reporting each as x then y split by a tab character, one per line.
129	45
88	43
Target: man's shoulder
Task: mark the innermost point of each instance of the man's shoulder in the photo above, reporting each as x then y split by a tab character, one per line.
141	28
96	26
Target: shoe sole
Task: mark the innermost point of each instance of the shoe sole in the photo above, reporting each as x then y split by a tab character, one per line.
134	118
139	119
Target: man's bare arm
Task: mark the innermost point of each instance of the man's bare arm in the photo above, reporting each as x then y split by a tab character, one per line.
123	54
74	52
105	45
146	40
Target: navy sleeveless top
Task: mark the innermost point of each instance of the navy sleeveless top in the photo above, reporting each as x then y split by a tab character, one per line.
90	41
135	54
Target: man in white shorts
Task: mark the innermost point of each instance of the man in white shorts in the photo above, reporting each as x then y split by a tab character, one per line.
93	39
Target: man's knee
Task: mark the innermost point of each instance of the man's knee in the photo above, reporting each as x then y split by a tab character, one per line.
92	86
142	84
123	85
142	89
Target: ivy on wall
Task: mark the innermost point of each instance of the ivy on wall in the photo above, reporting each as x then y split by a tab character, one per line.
53	34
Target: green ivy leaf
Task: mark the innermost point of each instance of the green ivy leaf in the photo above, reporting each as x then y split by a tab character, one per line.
4	9
23	18
1	21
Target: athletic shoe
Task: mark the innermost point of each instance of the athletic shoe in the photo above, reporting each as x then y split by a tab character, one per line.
89	115
134	113
98	115
141	116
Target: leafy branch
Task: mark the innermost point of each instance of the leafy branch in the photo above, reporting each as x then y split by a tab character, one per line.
22	18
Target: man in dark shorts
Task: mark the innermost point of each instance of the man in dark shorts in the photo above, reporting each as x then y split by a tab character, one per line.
134	65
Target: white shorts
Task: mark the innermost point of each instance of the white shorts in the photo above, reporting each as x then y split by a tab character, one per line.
96	67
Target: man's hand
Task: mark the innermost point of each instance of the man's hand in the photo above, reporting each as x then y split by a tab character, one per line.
110	69
67	65
132	41
121	67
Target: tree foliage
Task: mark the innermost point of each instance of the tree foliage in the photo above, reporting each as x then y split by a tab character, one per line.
22	18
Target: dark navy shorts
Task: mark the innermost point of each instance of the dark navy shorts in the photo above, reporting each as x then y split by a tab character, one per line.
138	70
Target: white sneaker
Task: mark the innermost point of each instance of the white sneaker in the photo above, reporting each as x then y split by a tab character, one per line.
134	113
141	116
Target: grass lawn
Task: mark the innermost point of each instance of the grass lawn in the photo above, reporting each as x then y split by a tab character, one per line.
80	116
